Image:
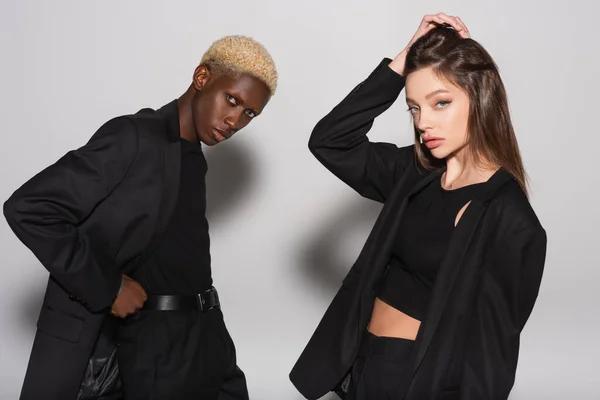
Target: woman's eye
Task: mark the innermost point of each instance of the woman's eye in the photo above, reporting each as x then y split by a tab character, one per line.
413	110
442	104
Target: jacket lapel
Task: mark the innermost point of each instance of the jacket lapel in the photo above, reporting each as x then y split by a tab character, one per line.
169	135
457	247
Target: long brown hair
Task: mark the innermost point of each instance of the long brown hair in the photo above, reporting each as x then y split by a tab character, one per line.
466	64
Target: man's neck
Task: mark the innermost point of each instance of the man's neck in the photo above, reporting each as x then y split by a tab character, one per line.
186	123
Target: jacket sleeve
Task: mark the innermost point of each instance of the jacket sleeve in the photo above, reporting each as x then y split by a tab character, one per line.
45	213
509	289
339	141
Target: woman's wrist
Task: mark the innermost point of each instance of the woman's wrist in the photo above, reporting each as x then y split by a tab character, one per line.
397	64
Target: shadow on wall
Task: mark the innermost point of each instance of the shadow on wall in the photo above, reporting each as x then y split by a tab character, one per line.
321	257
231	175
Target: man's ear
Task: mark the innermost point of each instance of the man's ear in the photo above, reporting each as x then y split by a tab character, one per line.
201	77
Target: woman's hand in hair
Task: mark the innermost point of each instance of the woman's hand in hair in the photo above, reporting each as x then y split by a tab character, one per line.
428	23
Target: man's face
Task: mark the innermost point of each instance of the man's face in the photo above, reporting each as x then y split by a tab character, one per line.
224	104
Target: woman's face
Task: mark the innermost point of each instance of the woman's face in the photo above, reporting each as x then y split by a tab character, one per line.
440	112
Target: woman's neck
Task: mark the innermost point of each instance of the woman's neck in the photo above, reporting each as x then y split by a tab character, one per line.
463	170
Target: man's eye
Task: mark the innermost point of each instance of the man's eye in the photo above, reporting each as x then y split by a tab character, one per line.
250	113
231	99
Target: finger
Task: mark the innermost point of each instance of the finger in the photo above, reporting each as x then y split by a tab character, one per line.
455	23
426	24
430	20
460	28
463	34
465	29
462	23
420	33
452	21
439	20
423	31
143	296
139	291
445	17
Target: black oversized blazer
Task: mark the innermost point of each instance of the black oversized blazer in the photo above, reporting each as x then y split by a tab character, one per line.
468	343
89	217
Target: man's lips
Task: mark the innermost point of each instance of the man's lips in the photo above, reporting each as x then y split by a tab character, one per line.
220	135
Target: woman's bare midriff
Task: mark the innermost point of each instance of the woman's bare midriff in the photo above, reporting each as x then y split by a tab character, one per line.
388	322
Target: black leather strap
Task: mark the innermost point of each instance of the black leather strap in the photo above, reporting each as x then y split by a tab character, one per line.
204	302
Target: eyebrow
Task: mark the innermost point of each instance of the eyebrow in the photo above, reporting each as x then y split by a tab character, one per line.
430	95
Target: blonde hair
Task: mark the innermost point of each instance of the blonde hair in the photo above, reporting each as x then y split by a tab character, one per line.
241	55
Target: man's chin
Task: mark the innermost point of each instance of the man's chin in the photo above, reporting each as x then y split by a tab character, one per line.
208	140
209	144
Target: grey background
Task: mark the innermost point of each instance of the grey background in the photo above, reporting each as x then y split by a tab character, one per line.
284	230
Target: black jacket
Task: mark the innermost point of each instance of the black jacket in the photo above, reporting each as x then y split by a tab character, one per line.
89	217
468	343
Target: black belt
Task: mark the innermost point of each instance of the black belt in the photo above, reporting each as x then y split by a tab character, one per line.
204	302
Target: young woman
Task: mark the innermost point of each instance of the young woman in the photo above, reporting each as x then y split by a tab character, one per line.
434	306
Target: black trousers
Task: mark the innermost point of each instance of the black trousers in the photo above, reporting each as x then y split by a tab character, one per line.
179	355
377	368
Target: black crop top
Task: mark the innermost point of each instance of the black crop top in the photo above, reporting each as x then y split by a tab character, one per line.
420	246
